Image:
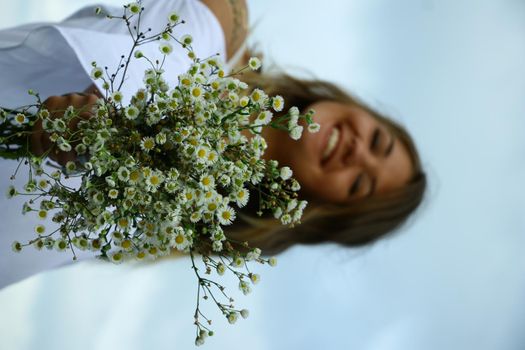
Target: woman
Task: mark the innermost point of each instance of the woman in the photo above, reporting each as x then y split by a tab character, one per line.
361	173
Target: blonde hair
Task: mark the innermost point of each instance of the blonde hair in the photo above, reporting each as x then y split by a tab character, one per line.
354	224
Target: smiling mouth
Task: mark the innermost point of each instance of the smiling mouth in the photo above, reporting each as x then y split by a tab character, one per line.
331	145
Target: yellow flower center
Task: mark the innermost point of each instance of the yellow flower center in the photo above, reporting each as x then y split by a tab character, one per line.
134	175
155	180
149	144
123	222
126	244
196	92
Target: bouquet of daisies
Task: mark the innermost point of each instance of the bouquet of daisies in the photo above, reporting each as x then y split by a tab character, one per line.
165	172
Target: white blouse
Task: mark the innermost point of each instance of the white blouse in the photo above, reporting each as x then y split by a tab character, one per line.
55	58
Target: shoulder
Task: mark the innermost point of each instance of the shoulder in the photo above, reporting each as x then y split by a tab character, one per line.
233	17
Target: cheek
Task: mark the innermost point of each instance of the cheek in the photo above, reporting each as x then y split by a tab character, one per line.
324	187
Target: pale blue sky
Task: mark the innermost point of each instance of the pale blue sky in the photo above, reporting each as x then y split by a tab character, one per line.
452	72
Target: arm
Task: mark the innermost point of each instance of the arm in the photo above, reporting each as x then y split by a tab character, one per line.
233	17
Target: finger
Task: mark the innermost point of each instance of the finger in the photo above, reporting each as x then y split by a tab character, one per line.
36	139
74	93
64	157
84	103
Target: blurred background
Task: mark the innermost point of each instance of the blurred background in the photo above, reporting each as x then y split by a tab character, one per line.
452	72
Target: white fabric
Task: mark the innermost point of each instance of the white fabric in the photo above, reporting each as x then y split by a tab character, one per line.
55	58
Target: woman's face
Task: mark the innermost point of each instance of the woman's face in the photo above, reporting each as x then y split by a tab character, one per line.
351	157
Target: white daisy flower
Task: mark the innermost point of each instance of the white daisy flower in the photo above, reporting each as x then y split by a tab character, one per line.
212	157
123	223
256	278
295	185
117	96
314	127
232	317
123	173
241	197
244	287
296	132
154	179
59	125
180	240
116	257
294	111
186	39
80	149
63	145
196	91
40	229
272	261
147	143
16	246
245	313
134	7
277	103
166	48
60	244
131	112
286	219
258	96
173	17
110	181
97	73
254	63
292	122
217	246
126	244
11	192
195	217
160	138
212	206
226	215
264	118
253	254
238	262
98	197
201	153
70	167
291	205
207	182
243	101
221	268
286	173
135	176
113	193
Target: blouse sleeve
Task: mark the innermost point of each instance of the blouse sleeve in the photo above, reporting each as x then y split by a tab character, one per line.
55	58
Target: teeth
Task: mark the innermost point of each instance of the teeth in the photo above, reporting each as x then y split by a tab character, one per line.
332	142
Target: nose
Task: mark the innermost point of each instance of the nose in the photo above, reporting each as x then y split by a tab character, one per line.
357	153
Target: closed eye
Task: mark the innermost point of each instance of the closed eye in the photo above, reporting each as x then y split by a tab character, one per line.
355	186
375	139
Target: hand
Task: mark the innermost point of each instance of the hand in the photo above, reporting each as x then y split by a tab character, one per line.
56	105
